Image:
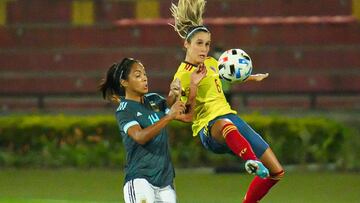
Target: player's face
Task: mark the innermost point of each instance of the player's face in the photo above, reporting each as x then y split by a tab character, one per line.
198	48
136	84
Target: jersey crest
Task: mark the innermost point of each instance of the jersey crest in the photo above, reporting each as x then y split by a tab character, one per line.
154	106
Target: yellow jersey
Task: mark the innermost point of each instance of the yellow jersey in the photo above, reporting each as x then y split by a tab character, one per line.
210	99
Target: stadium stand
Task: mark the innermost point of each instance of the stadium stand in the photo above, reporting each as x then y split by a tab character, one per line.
45	11
53	55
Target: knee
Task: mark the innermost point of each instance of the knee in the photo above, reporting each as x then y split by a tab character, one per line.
278	175
220	129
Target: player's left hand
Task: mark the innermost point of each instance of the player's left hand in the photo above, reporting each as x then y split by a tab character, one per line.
177	109
198	74
260	76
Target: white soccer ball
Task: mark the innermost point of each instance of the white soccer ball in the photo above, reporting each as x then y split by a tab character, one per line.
235	65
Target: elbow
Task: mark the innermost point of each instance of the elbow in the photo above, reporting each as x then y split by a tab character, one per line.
140	139
140	142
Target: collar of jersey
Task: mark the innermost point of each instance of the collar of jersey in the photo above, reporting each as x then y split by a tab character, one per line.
129	100
189	63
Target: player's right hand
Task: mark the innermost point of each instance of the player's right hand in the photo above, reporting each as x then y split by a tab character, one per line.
177	109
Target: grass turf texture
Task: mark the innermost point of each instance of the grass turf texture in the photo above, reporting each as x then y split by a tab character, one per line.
74	186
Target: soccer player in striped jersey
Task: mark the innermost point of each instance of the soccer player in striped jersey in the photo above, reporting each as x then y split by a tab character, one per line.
219	127
142	118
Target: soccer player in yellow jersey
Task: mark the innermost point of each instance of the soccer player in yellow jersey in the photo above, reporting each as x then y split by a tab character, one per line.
219	127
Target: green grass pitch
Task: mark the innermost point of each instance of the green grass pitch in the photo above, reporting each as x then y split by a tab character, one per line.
193	186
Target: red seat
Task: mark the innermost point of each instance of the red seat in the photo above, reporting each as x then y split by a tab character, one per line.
303	83
45	11
277	102
66	84
310	50
40	84
95	61
230	8
38	11
244	32
340	103
326	59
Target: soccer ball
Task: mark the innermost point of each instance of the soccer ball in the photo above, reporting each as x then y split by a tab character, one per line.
235	65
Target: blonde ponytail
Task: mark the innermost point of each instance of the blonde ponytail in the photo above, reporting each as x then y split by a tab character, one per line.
187	14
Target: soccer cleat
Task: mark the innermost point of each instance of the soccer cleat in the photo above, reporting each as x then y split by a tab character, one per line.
256	168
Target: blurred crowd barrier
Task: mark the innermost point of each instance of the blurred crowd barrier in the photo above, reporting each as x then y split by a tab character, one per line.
51	141
54	53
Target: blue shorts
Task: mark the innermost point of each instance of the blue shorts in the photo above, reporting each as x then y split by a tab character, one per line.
257	143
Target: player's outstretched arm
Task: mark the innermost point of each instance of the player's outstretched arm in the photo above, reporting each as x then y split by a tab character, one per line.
257	77
142	136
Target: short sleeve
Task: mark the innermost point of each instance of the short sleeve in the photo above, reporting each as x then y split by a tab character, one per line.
125	120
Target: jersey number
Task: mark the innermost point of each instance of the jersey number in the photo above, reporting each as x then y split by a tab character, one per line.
217	85
153	118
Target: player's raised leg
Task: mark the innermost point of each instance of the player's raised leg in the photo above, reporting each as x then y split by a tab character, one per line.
230	134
